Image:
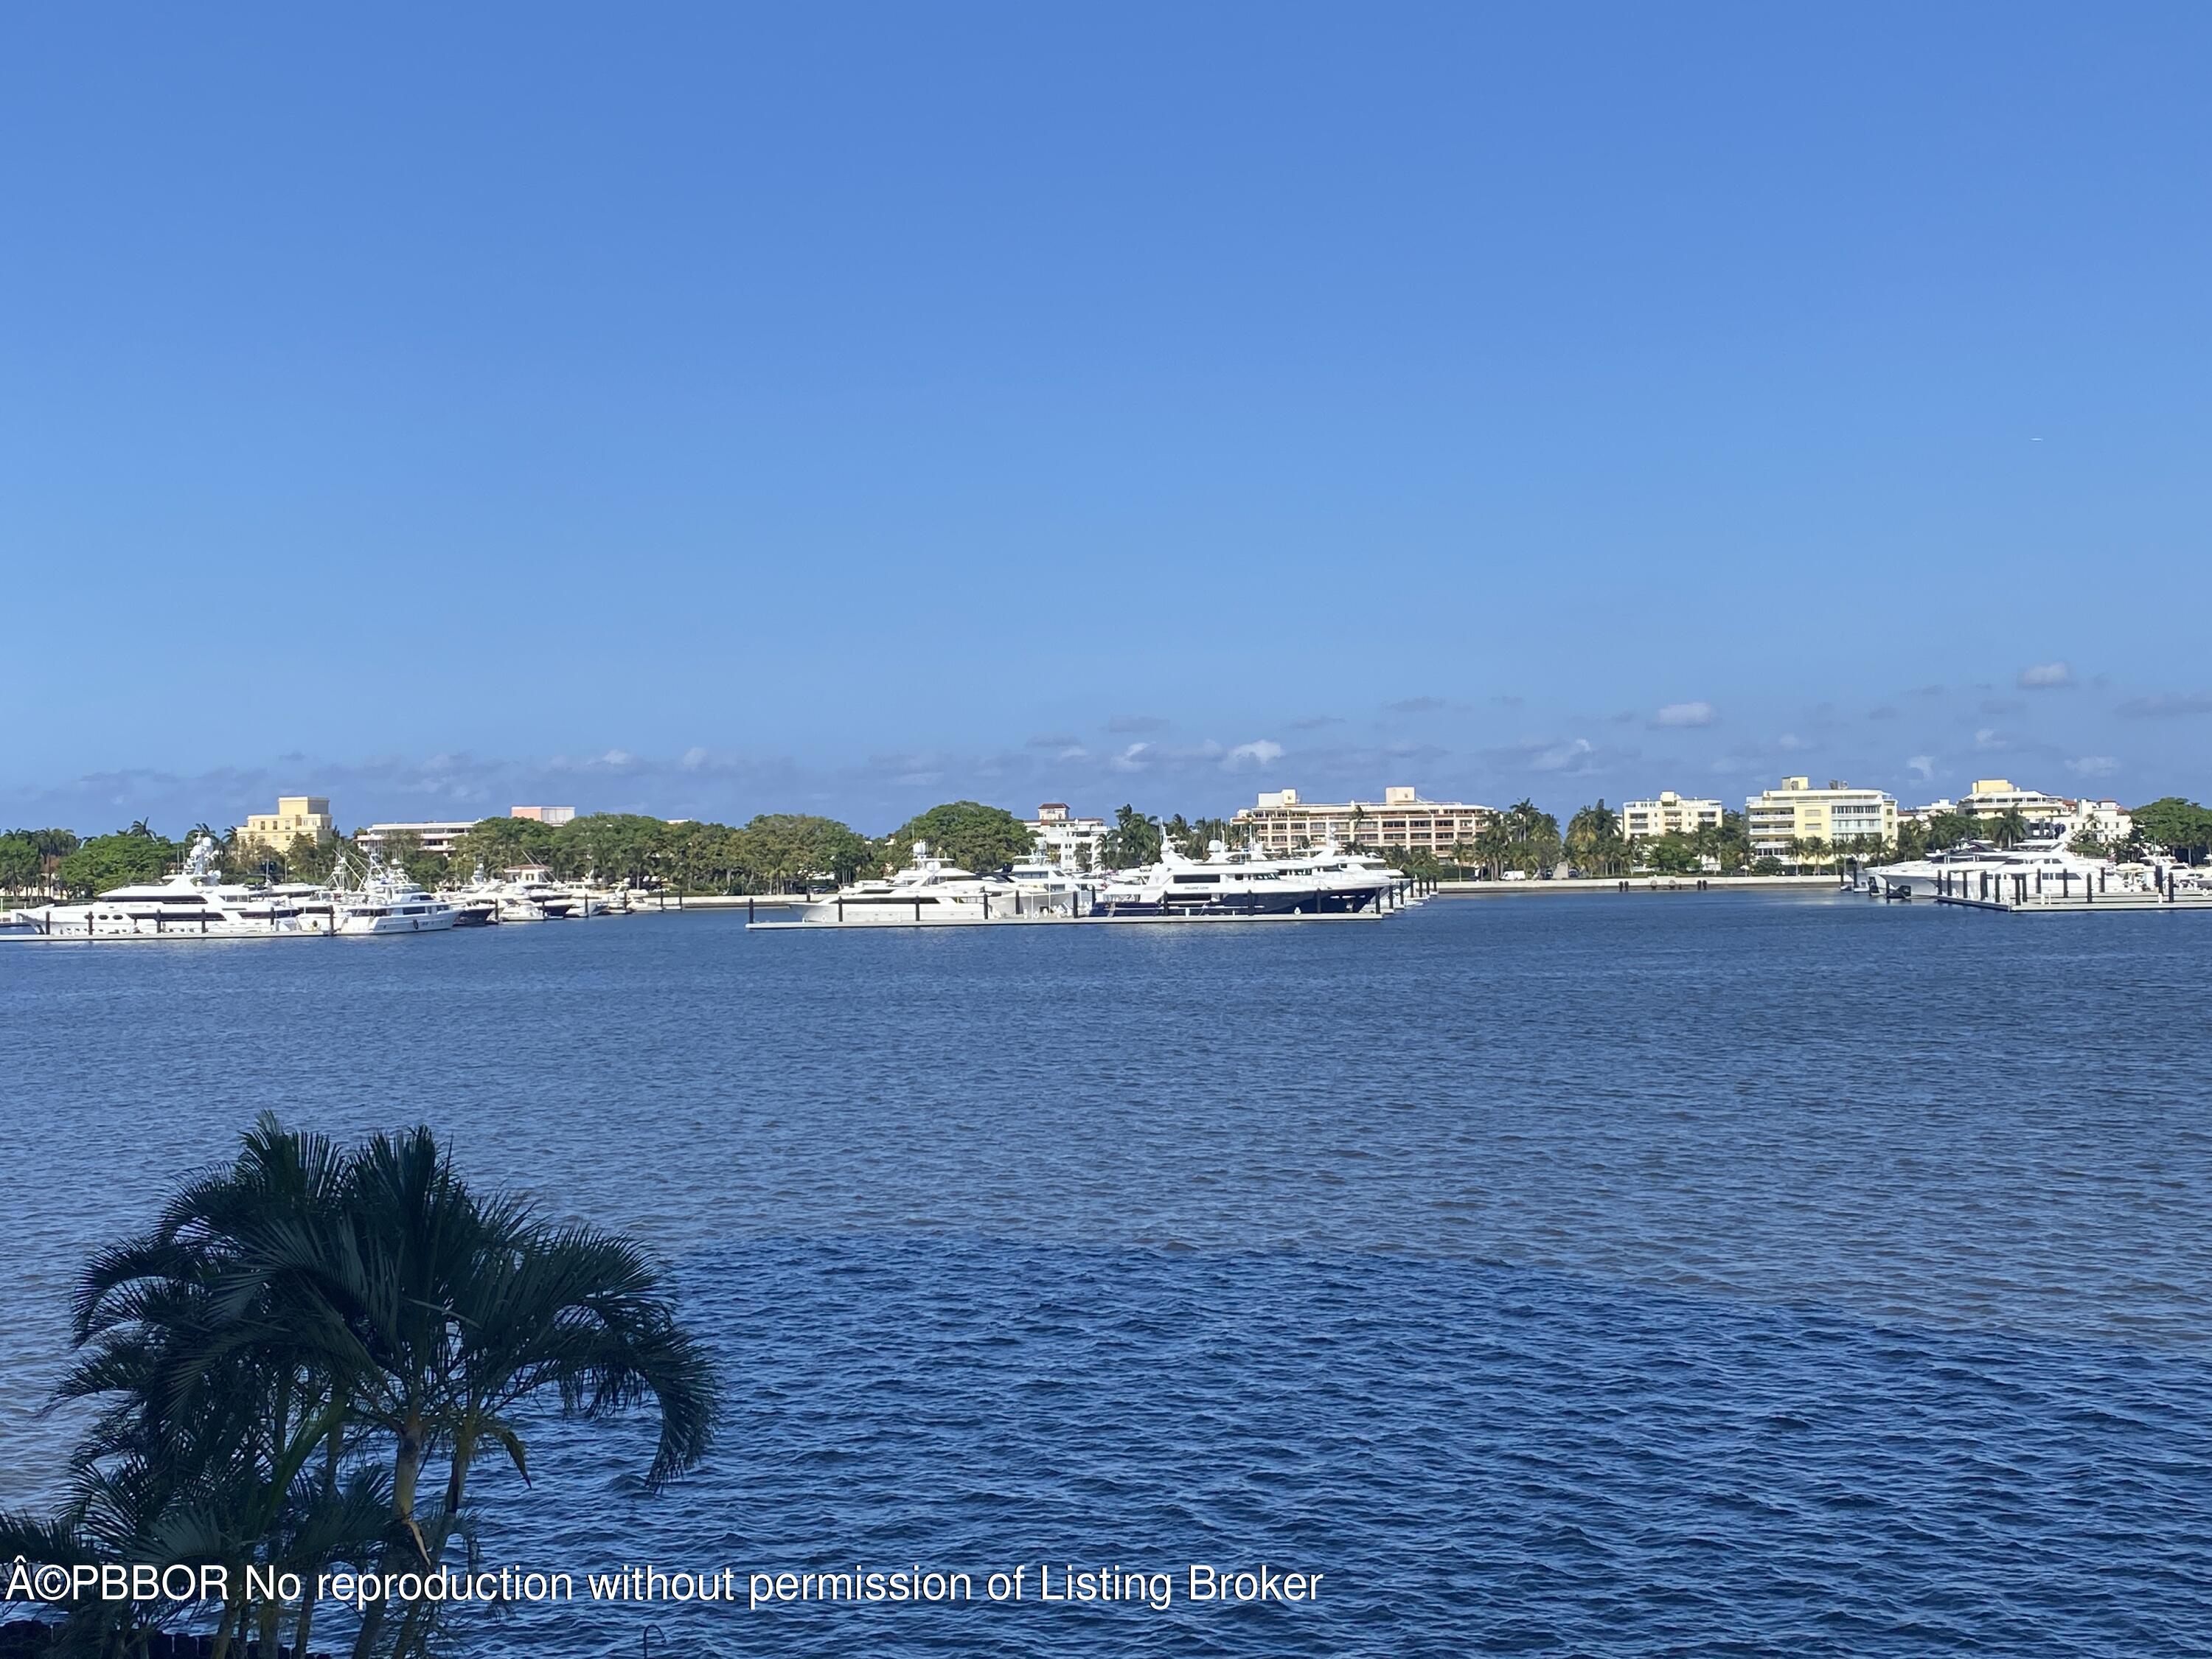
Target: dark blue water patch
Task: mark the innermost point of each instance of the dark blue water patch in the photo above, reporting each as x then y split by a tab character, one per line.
1478	1458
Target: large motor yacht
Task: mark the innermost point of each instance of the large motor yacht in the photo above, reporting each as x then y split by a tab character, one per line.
194	903
2044	859
1244	882
930	892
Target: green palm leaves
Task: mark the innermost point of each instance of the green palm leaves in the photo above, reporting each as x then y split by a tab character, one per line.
300	1364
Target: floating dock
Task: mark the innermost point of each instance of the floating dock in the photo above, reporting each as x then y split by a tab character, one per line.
2015	893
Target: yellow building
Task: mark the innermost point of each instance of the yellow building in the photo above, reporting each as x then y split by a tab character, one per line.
1669	815
1779	818
296	815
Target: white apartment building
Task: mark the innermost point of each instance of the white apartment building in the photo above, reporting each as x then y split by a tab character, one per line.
1401	818
1992	798
1778	818
1669	814
438	838
1072	843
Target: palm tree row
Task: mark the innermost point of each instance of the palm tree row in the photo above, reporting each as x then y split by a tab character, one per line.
300	1363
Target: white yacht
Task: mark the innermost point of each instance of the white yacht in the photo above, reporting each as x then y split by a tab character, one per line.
2043	860
931	893
386	901
1246	882
528	895
475	903
194	903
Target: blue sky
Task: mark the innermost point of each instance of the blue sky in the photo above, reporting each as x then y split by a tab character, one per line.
716	410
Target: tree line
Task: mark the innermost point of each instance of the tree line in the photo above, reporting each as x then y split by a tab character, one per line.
780	851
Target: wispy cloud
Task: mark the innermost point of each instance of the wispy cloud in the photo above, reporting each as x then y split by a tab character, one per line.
1989	739
1135	724
1922	767
1261	751
2045	677
1685	714
1315	722
1415	706
2094	766
2166	705
1131	759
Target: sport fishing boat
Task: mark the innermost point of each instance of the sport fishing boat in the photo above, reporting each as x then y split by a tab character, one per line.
387	900
194	903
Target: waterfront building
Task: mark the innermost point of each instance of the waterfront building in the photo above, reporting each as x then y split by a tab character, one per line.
550	816
1281	820
295	816
439	838
1992	798
1779	818
1668	814
1072	843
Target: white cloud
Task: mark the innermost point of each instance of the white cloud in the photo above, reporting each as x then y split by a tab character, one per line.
2094	766
1685	714
1789	743
1563	756
1989	738
2046	676
1923	767
1261	751
1131	759
694	758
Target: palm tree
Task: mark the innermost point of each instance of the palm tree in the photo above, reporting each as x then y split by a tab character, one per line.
292	1326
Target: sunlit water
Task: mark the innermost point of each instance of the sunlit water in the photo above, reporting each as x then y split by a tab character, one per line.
1669	1274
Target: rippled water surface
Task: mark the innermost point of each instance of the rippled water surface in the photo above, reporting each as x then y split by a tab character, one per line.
1674	1274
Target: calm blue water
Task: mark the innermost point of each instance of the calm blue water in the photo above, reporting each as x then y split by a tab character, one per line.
1690	1274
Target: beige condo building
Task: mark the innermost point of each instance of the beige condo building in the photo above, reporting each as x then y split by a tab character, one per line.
295	816
1778	818
1281	820
1669	814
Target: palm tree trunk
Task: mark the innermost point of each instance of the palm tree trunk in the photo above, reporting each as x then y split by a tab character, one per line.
234	1614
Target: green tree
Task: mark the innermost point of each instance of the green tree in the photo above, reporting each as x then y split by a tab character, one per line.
965	833
792	849
106	862
306	1356
1593	839
2180	827
21	865
1134	840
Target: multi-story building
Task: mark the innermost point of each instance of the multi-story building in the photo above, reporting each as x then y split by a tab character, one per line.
1072	844
1779	818
1992	798
437	838
1401	818
547	815
1670	814
295	816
